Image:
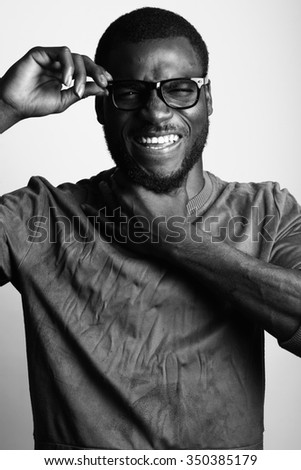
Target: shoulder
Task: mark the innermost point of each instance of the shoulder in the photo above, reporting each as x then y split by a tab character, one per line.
40	188
87	189
245	193
39	195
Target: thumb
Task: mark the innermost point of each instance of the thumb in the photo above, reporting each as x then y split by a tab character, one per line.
70	97
92	89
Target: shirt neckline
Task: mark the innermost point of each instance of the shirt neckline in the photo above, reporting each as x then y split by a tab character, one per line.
199	200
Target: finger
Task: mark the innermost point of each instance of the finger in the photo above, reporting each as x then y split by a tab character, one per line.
67	63
91	89
97	72
80	75
62	61
59	58
68	97
84	66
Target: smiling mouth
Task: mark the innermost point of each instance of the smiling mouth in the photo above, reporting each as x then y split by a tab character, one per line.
158	142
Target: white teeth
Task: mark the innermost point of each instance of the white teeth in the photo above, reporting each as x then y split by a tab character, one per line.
162	139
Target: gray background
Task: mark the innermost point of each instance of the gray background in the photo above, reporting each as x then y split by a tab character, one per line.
255	73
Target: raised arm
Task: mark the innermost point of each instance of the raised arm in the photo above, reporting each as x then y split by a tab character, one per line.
47	80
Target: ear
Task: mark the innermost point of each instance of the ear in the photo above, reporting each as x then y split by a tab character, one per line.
208	98
99	108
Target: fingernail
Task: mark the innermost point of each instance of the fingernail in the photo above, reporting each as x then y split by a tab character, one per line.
108	75
80	91
103	80
68	81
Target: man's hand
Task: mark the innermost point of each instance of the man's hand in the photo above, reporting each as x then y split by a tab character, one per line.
33	86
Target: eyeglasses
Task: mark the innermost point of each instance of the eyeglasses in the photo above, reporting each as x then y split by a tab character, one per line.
177	93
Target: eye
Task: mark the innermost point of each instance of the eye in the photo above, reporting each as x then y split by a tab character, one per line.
179	89
128	91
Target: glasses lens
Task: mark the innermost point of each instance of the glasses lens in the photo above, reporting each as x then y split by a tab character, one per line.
129	95
180	93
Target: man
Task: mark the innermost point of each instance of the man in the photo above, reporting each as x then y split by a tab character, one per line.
147	288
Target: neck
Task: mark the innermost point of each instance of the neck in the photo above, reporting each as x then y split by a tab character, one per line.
195	180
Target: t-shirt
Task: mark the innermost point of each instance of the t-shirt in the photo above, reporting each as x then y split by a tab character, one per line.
125	351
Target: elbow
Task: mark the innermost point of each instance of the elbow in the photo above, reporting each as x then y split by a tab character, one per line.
293	344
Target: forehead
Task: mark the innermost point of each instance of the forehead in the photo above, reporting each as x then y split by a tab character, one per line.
155	59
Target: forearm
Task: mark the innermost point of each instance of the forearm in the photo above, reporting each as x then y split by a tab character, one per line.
268	294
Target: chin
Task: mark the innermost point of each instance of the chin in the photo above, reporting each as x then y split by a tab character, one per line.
156	181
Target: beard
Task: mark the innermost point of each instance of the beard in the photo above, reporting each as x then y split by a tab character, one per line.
155	182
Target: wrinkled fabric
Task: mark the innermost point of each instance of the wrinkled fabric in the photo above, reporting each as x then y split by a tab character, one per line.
123	351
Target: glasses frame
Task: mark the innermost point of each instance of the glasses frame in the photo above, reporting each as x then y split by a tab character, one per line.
200	81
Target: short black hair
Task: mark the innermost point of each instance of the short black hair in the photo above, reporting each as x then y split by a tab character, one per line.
149	23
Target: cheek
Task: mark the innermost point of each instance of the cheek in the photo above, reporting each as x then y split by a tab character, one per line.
114	119
116	128
197	119
114	122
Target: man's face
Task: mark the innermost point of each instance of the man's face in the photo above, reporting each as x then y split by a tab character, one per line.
131	135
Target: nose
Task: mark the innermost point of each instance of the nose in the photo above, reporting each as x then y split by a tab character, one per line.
155	110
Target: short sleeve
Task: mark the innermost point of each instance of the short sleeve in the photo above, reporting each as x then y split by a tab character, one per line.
5	262
286	250
16	211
